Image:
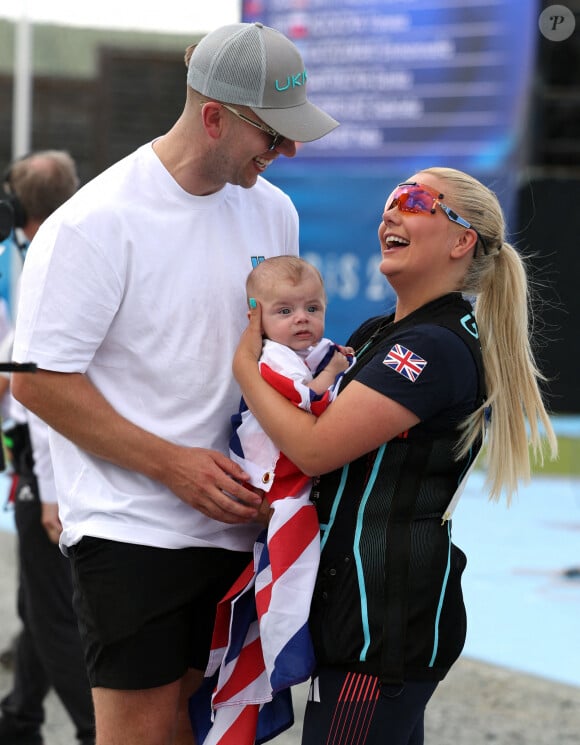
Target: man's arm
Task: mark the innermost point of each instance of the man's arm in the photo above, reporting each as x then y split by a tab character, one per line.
44	476
4	385
72	406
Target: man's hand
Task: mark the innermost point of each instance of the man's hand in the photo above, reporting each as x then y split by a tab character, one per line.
212	484
50	521
202	478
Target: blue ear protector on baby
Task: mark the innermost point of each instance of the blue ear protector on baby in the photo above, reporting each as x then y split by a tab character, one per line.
12	212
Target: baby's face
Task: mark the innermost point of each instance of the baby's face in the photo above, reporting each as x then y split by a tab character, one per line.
292	314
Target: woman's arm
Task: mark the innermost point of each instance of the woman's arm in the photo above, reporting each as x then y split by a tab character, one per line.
358	421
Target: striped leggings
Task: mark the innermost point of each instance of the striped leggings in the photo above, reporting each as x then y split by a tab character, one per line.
346	708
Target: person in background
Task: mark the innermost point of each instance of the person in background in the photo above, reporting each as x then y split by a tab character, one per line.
7	654
48	652
432	382
6	339
132	304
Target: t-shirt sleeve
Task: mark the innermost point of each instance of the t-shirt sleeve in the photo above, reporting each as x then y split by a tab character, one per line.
70	293
427	369
42	460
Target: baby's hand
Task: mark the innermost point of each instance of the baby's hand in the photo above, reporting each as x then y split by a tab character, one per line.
339	363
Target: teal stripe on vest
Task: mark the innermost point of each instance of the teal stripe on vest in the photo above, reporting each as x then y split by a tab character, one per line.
441	597
335	506
357	556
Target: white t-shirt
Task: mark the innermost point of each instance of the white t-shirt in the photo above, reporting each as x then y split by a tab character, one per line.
141	286
13	411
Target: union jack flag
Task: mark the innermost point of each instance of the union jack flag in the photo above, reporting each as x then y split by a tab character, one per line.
254	660
261	645
405	362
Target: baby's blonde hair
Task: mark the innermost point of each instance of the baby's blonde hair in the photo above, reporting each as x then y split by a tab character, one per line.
291	269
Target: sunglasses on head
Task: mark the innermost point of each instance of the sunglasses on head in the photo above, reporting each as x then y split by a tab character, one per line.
419	199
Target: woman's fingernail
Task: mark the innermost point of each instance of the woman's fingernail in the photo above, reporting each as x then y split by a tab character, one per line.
252	303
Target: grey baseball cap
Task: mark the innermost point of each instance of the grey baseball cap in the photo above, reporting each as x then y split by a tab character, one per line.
256	66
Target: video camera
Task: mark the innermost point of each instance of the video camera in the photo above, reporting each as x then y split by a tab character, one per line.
12	215
29	367
12	212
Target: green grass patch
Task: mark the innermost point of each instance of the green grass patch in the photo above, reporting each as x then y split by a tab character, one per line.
567	463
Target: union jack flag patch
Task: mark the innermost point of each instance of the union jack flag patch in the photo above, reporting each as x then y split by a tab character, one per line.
407	363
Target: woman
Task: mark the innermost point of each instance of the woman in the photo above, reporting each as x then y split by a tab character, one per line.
431	381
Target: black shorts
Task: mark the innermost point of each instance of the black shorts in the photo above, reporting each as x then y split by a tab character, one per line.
146	614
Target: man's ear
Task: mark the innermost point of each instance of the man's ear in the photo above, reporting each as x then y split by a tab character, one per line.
212	118
464	243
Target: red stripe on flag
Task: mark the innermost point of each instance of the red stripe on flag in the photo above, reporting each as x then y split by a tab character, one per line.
281	383
221	630
291	540
263	598
243	730
249	667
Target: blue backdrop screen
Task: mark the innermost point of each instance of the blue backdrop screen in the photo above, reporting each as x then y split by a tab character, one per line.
414	84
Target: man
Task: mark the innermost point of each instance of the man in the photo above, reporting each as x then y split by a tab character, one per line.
48	651
132	304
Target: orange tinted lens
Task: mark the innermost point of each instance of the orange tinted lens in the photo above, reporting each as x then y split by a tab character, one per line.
414	199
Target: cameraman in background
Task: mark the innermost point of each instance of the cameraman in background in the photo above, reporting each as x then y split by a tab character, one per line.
48	650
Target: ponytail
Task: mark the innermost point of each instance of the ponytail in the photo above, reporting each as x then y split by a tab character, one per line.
497	277
518	413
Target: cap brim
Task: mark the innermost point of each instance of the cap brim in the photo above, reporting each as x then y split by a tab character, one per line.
303	123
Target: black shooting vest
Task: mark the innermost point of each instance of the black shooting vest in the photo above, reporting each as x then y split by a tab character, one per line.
388	597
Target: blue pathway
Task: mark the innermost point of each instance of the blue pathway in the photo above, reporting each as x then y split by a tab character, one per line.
522	612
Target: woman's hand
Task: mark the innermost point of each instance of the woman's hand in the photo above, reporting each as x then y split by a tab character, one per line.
250	344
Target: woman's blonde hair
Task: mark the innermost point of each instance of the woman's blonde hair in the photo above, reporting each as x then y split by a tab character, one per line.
497	277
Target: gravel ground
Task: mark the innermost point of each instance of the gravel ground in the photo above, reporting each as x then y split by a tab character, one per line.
477	704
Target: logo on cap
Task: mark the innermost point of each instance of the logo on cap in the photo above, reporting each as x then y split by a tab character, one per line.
292	81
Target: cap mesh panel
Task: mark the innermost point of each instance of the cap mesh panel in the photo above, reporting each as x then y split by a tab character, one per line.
237	73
